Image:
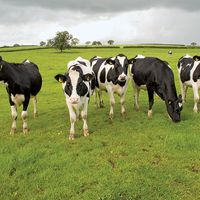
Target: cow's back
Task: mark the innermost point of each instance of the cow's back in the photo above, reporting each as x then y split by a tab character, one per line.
27	75
149	70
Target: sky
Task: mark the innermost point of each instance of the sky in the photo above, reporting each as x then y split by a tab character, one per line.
124	21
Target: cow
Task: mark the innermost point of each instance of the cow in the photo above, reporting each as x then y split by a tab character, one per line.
189	75
111	76
22	82
170	52
155	75
78	84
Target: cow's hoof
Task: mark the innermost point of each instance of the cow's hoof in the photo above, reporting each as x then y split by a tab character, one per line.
25	130
35	115
101	106
111	117
150	113
195	110
13	131
123	114
71	137
85	132
136	108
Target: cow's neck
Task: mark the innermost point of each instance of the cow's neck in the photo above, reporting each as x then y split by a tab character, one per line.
167	92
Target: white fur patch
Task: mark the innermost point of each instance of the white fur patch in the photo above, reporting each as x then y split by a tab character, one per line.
18	99
121	60
139	56
187	56
4	83
27	61
180	104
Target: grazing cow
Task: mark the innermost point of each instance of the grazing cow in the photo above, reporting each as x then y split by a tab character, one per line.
156	76
170	52
77	86
111	76
189	74
22	81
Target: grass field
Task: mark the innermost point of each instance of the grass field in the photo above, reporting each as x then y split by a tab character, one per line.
131	158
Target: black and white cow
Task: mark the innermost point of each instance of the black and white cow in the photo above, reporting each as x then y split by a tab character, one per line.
170	52
156	76
22	81
189	74
77	86
111	76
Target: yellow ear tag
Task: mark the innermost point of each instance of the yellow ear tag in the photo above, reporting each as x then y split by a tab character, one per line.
110	63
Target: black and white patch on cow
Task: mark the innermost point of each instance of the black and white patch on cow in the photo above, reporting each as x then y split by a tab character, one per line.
111	76
189	75
155	75
22	81
77	85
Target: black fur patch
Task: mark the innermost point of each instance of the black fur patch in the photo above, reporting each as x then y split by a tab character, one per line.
103	76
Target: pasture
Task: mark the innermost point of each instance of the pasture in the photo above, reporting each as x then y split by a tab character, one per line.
132	158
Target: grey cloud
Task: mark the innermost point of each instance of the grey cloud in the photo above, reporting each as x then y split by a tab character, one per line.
106	6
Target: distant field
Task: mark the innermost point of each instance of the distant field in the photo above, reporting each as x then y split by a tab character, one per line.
132	158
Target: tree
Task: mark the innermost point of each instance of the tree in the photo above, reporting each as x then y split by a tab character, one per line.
110	42
96	43
16	45
50	43
99	43
42	43
88	43
62	40
74	41
193	44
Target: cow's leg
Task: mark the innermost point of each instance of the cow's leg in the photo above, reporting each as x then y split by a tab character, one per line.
183	91
196	97
112	102
13	114
95	98
136	92
84	117
72	115
35	113
24	114
101	105
14	119
122	102
151	101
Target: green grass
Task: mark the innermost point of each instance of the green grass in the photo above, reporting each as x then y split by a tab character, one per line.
132	158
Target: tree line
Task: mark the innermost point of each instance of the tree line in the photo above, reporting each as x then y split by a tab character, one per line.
64	40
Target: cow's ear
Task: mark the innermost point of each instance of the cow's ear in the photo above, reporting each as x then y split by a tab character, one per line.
110	61
88	77
60	78
131	61
196	58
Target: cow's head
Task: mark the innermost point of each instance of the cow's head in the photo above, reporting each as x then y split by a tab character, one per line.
74	83
174	109
120	63
196	58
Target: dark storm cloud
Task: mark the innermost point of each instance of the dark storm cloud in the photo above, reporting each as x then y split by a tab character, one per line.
106	6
